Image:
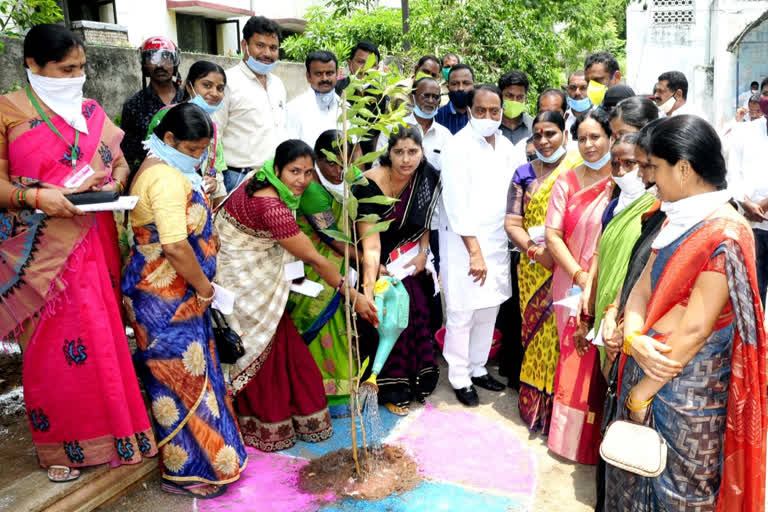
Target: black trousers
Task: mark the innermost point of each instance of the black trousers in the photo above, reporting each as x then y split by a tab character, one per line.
509	323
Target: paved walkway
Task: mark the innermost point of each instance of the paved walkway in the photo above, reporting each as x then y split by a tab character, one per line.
471	459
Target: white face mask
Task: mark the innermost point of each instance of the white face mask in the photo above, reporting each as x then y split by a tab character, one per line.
632	188
668	105
484	127
325	100
62	95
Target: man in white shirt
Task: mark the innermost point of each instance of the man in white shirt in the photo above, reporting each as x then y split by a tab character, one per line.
317	109
476	167
748	181
671	95
251	120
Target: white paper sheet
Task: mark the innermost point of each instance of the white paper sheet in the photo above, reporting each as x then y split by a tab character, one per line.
598	336
399	270
571	302
307	287
352	276
224	300
294	270
537	235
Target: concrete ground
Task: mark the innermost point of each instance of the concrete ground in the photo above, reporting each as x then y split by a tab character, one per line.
515	472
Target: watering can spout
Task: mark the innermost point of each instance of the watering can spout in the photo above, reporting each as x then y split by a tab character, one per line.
371	381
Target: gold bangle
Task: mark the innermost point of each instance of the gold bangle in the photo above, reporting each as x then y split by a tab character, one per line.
609	307
576	274
634	405
627	346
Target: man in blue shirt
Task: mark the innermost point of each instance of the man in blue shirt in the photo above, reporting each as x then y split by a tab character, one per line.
461	80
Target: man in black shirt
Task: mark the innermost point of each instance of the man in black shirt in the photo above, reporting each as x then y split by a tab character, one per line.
159	62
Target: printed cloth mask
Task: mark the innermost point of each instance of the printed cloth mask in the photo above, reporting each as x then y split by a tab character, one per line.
764	105
62	95
581	105
600	163
459	99
512	109
188	165
200	102
596	92
325	100
259	67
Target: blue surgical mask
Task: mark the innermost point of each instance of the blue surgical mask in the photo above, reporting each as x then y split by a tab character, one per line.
600	163
554	157
420	113
579	105
188	165
200	102
259	67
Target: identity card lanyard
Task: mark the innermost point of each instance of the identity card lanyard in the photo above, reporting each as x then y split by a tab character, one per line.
72	148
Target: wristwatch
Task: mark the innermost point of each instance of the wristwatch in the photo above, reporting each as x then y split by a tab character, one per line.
425	251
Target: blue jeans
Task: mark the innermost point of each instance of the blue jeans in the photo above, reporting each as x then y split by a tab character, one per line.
232	178
761	256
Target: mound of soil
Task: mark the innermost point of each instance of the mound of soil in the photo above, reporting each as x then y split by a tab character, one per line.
390	471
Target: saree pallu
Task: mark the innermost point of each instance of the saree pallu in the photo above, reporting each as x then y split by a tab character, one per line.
410	372
278	388
176	357
59	300
713	414
321	320
580	388
616	244
539	329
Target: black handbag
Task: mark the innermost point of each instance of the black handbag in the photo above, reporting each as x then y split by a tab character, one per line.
228	343
611	404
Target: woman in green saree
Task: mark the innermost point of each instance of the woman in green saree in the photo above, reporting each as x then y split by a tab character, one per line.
321	320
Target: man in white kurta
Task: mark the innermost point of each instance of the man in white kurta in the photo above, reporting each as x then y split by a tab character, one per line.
475	262
316	109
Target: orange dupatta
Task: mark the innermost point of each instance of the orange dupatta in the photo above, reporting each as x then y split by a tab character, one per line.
742	484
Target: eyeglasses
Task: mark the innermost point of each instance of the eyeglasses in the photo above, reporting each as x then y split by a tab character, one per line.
531	157
426	96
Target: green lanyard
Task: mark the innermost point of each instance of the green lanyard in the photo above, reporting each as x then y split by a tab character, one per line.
73	149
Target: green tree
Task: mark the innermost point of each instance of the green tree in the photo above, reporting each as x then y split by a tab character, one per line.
544	38
18	16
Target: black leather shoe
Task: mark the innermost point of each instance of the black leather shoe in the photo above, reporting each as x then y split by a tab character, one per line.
467	396
488	382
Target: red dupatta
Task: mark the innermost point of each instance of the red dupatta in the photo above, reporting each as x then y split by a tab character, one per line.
742	484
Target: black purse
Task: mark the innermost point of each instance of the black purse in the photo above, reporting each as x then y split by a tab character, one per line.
228	343
611	405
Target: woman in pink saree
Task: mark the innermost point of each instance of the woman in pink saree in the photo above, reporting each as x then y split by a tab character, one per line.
573	228
60	269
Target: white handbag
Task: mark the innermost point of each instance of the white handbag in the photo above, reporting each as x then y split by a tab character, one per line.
635	448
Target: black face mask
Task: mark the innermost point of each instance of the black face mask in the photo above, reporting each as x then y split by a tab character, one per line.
459	99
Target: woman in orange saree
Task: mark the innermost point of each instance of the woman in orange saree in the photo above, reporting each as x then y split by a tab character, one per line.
573	227
60	269
694	355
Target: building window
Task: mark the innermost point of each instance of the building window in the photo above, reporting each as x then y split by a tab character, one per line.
103	11
196	34
672	12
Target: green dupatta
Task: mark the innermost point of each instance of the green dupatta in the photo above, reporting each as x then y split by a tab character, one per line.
614	251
